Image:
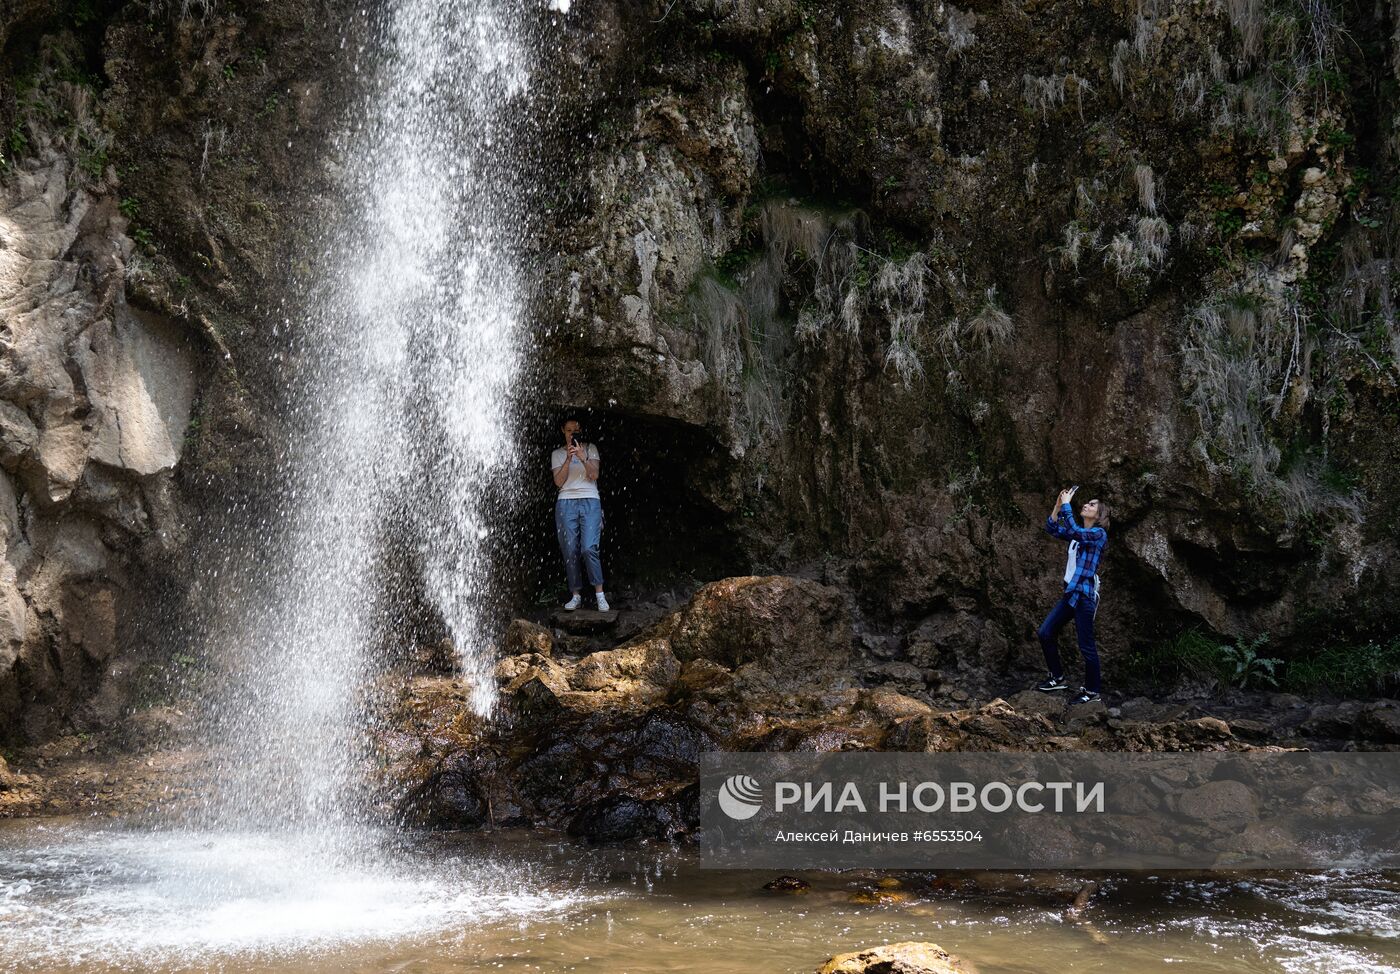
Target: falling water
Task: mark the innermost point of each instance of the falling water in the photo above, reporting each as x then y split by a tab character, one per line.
405	344
409	350
436	275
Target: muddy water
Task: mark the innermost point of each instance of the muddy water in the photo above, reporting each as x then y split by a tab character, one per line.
74	897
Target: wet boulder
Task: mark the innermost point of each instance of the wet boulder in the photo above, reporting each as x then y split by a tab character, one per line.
788	628
890	705
523	636
1332	720
621	818
787	884
454	798
1381	722
643	665
1224	805
536	689
910	957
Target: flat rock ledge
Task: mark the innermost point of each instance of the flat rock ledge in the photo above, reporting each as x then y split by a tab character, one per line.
607	745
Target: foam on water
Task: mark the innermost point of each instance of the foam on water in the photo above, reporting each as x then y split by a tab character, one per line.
73	899
72	896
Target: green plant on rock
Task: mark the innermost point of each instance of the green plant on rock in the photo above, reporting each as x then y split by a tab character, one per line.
57	108
18	143
1336	137
1244	665
1188	655
1194	655
84	13
732	264
1229	222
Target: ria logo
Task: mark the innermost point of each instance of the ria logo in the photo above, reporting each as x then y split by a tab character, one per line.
740	797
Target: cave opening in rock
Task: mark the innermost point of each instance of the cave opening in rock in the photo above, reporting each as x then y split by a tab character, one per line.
662	484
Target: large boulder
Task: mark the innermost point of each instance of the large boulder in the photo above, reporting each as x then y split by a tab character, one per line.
1381	722
643	665
523	636
787	627
1225	805
910	957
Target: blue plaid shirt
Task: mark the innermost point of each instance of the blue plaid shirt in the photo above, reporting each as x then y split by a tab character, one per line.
1086	556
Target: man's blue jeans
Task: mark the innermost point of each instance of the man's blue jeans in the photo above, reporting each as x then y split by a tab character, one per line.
1049	633
578	523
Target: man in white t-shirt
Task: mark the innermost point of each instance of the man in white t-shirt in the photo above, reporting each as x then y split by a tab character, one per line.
578	514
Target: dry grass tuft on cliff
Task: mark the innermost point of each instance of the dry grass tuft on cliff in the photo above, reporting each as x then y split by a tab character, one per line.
981	334
1247	366
57	112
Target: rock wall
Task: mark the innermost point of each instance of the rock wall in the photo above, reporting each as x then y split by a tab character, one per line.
96	403
913	267
875	278
157	160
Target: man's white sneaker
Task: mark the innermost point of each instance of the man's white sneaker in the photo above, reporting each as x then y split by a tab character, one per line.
573	603
602	602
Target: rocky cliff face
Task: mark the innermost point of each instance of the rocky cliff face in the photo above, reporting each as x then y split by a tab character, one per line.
156	159
97	398
913	266
858	283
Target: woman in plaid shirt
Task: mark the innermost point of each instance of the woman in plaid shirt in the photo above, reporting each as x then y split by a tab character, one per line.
1080	600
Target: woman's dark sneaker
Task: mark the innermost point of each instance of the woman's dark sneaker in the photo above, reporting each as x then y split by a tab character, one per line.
1084	696
1052	684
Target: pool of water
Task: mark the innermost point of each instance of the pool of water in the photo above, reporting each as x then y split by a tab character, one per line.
75	897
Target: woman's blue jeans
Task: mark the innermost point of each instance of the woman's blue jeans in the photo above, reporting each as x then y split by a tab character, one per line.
578	523
1083	615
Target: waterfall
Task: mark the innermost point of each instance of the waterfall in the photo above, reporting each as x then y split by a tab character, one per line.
408	348
404	348
439	260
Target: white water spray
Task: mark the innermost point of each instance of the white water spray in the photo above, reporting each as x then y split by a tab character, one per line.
406	357
439	259
409	352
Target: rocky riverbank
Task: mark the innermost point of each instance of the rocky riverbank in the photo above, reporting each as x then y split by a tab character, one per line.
143	765
606	744
600	735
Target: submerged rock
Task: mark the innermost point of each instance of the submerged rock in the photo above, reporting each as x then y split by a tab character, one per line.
910	957
787	884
